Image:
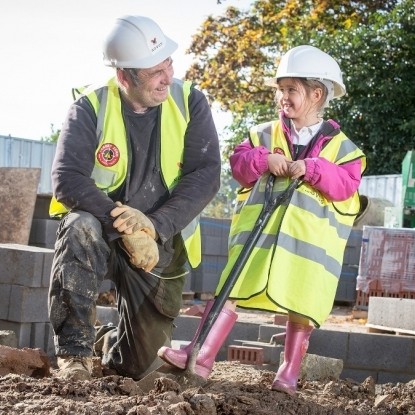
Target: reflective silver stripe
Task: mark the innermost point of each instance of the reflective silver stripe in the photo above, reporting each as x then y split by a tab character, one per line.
312	252
103	175
176	91
346	148
102	95
265	241
190	229
265	133
303	201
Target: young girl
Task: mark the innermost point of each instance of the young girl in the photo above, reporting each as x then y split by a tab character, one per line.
296	264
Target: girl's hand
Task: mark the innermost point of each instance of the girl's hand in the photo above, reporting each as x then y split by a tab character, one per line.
296	169
278	164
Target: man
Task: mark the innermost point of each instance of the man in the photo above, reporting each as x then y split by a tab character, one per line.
137	160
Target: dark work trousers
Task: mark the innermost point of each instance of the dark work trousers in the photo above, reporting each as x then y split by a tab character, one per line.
147	304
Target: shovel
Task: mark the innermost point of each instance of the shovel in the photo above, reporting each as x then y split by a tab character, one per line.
270	205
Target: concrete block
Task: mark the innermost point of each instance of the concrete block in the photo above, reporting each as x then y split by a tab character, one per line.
25	265
381	352
266	331
314	367
33	335
214	245
215	227
206	276
28	304
394	377
8	338
5	290
353	248
244	330
22	331
43	233
329	343
42	206
346	289
395	313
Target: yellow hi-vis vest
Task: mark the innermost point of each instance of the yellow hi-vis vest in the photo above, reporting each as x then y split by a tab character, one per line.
111	130
296	264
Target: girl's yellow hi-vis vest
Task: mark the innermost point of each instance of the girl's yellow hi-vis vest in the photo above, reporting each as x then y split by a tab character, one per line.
297	261
110	129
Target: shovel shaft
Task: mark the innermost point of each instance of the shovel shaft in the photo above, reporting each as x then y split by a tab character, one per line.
220	300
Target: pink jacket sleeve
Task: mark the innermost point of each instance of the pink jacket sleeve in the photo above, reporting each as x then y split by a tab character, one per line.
248	163
335	182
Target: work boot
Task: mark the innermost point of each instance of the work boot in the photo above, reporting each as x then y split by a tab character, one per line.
75	367
210	348
296	345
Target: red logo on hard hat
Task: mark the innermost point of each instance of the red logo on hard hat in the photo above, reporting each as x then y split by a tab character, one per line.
108	155
154	41
278	150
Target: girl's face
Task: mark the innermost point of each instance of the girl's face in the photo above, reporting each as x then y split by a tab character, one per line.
292	98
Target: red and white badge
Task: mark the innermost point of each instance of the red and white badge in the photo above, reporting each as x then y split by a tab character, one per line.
108	154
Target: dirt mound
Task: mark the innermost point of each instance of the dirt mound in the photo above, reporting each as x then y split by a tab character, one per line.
232	389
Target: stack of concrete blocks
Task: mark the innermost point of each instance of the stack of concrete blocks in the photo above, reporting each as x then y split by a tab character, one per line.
346	289
215	233
24	285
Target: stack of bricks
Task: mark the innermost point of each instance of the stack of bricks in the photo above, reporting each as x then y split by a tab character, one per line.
24	285
387	264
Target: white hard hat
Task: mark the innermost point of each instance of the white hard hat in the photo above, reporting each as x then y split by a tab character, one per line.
136	42
311	63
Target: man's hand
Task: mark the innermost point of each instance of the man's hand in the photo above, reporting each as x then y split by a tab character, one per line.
130	220
142	250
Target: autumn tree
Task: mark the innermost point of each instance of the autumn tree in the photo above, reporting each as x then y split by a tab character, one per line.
373	41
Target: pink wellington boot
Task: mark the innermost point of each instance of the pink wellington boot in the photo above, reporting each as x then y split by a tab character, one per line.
210	348
296	345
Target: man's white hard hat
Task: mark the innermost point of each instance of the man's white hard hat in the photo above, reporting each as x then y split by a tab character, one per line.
136	42
312	63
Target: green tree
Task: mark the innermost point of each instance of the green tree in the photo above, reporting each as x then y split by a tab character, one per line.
372	40
54	135
378	112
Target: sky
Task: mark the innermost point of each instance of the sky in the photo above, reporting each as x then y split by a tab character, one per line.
47	47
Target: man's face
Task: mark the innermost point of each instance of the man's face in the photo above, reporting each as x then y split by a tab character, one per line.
149	87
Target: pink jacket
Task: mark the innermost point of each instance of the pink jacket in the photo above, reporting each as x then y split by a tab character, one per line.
335	182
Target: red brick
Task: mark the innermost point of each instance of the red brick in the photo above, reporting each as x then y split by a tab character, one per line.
246	355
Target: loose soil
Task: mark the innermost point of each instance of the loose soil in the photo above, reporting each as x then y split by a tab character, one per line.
232	389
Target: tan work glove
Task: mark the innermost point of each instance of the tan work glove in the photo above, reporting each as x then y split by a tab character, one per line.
130	220
141	249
